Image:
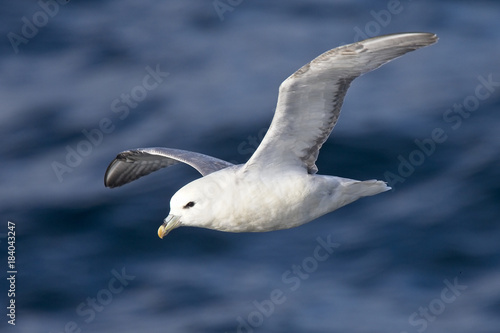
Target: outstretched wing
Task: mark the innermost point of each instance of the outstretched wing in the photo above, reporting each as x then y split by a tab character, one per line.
133	164
309	100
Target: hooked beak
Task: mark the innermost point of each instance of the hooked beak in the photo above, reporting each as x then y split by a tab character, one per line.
170	222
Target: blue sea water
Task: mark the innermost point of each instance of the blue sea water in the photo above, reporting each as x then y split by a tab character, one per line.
424	257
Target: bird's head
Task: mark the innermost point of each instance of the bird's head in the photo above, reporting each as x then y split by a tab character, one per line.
193	205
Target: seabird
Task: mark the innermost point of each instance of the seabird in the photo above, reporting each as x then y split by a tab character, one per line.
277	188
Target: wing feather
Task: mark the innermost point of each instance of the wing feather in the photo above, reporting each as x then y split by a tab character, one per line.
310	100
133	164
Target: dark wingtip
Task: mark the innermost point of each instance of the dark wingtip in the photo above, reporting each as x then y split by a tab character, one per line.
107	179
106	176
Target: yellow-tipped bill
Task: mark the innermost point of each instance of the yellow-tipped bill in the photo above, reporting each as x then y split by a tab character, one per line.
170	222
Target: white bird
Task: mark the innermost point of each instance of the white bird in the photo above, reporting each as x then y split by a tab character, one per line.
278	187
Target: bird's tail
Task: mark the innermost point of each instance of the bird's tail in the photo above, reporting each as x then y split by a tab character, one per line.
367	187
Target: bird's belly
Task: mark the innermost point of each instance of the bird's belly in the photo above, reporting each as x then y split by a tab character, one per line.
269	205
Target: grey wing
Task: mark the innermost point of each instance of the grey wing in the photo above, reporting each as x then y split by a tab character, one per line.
309	100
133	164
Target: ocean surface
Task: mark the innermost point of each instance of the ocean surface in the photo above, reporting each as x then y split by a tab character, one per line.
82	81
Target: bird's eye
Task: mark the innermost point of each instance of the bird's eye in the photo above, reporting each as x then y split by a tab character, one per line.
189	204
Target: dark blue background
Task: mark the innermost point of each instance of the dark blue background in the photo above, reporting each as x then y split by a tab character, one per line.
396	249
